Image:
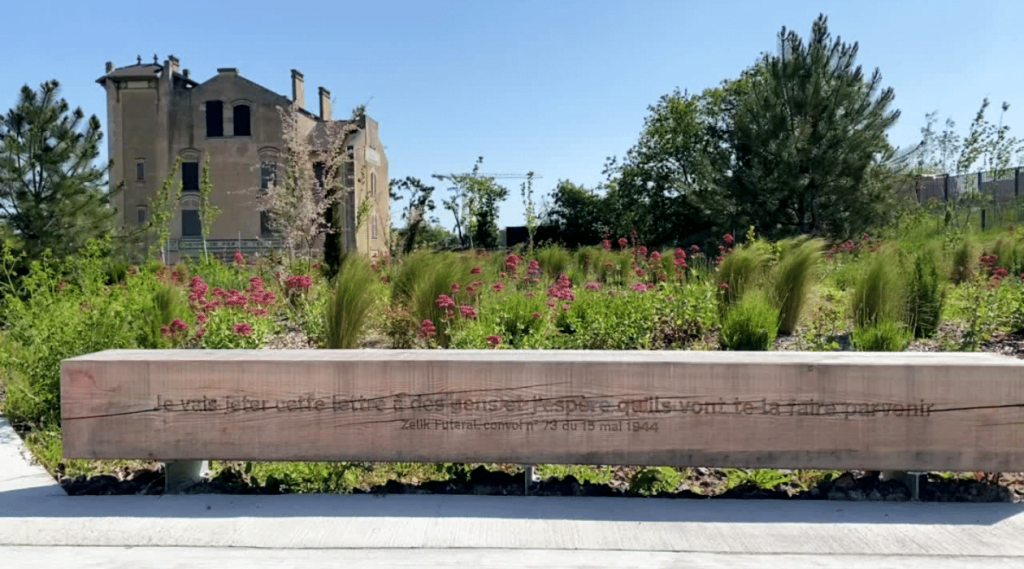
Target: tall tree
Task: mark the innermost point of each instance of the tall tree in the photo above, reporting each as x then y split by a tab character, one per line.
309	182
579	213
421	202
474	203
53	195
208	212
805	137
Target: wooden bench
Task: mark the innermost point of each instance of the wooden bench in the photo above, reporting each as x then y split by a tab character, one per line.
870	411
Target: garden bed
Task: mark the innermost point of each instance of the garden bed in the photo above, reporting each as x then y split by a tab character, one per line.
695	483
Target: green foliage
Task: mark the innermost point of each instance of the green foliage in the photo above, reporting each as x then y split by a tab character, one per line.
579	214
521	322
52	190
162	207
651	481
927	295
742	270
750	325
225	330
553	261
409	273
806	137
793	278
208	212
51	322
474	203
964	259
349	307
430	285
421	203
764	478
885	335
596	321
880	294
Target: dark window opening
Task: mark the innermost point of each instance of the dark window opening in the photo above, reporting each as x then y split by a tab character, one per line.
140	171
190	224
241	120
214	118
374	231
141	216
318	170
373	184
268	170
265	229
190	176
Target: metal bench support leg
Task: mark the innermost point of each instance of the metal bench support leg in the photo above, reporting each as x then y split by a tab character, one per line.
180	474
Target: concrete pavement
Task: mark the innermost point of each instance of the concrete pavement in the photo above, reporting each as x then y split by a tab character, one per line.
41	527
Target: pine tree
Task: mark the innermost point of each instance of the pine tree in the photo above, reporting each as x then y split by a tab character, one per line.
807	139
53	195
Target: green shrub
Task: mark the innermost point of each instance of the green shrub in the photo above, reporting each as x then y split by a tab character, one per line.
520	321
599	321
884	336
793	278
752	324
409	273
430	285
963	262
741	270
350	305
880	292
1009	255
554	260
926	294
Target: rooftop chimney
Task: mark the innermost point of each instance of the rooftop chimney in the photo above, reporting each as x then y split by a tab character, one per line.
186	73
228	70
298	89
110	66
173	63
325	104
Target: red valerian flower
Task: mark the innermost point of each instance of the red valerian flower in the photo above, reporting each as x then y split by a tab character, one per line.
242	329
641	252
728	238
474	271
467	311
662	276
239	258
655	256
593	285
512	261
201	317
639	287
456	288
445	301
694	249
534	268
551	303
178	325
623	243
536	315
498	286
200	332
299	282
494	339
723	285
428	329
606	245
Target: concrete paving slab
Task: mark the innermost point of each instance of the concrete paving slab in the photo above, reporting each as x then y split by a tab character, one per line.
225	558
41	526
494	522
18	469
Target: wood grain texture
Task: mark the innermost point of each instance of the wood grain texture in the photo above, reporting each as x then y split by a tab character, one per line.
891	411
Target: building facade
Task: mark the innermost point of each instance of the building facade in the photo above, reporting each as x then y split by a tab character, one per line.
156	114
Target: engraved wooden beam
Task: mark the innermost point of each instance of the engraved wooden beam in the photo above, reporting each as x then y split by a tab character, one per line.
875	411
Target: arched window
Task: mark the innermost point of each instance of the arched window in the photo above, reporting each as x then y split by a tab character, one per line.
242	120
214	119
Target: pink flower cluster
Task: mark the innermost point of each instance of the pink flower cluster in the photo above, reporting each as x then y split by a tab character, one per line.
299	282
562	289
177	326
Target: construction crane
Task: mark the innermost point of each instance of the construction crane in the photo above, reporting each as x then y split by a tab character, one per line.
496	176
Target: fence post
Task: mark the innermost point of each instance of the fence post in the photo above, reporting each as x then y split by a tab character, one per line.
945	188
983	220
1016	182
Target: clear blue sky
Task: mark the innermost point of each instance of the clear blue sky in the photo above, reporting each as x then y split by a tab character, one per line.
553	86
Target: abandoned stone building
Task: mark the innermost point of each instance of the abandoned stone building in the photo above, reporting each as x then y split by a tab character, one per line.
157	113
